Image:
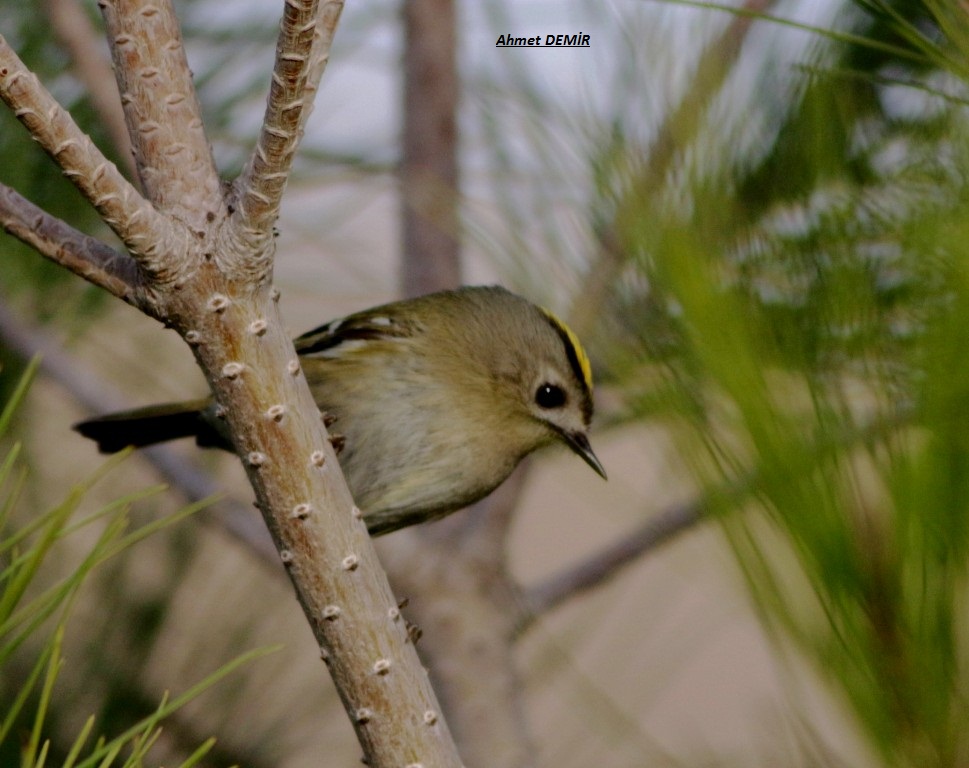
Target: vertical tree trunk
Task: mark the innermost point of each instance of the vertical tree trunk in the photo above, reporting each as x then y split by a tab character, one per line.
462	595
429	163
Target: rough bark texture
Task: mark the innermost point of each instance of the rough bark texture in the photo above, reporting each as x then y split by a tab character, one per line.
201	261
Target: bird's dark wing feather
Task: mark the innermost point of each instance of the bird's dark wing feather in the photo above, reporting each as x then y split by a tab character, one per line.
363	326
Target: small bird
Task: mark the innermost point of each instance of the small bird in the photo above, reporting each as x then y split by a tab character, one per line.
436	398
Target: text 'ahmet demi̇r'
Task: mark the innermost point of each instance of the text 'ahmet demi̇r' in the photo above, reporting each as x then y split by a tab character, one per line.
579	40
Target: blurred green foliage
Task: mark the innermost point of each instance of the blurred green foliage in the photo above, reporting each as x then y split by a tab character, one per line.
800	317
27	169
35	615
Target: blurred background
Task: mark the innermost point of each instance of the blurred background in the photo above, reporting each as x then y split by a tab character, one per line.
755	217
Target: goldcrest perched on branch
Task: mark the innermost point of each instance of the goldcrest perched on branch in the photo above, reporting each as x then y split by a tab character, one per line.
437	399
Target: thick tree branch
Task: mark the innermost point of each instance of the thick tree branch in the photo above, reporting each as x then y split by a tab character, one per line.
242	346
213	289
175	163
302	51
83	255
142	229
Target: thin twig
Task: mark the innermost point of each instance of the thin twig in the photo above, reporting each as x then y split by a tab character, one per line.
82	254
320	55
302	51
658	530
142	229
606	564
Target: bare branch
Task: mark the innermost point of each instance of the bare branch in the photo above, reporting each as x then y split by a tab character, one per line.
302	51
82	254
249	361
173	156
320	55
93	68
607	563
139	226
661	528
230	318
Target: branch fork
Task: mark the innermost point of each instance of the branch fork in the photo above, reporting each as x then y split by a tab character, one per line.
199	258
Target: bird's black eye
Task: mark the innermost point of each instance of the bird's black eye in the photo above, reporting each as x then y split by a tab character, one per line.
549	396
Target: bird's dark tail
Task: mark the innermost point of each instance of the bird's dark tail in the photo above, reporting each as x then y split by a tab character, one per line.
147	426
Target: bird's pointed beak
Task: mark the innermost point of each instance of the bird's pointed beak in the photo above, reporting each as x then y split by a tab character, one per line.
579	443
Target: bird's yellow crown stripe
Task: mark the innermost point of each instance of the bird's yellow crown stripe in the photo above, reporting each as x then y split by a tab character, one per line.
576	347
